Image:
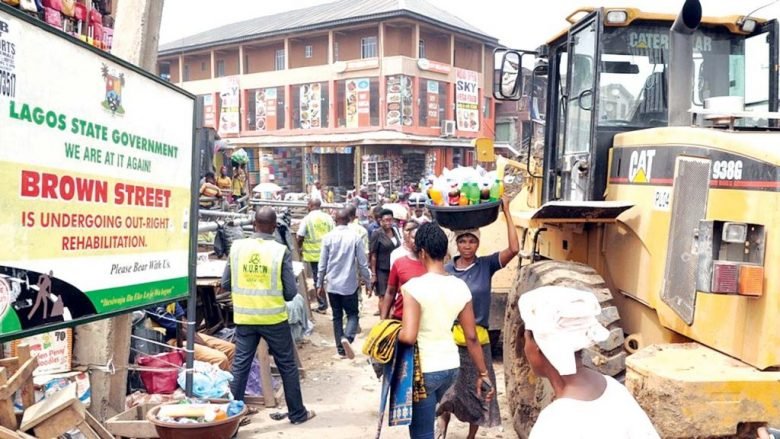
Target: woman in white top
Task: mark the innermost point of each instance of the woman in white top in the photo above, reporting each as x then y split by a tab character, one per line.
559	323
432	302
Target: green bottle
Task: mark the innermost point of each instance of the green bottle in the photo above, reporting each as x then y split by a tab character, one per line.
473	193
495	191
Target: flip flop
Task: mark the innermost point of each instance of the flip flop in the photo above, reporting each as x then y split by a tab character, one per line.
309	415
251	411
244	422
278	416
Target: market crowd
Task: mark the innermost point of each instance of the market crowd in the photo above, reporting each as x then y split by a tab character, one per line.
434	295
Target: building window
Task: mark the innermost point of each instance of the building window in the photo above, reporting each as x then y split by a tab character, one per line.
504	132
279	64
336	51
421	48
186	74
368	47
220	68
246	64
307	51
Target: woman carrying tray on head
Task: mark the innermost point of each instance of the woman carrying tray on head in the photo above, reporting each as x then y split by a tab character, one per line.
477	272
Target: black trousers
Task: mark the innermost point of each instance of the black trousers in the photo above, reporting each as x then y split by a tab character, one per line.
280	344
340	305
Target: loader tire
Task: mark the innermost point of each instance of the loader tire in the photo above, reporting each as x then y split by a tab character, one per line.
527	394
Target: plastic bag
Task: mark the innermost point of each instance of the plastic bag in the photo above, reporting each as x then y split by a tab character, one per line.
208	381
163	378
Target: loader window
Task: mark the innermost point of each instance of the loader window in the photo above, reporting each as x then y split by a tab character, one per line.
633	83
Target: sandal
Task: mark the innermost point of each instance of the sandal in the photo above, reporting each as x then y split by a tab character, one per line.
244	422
251	411
278	416
309	415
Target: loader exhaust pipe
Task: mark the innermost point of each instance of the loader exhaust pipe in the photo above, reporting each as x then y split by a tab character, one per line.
680	72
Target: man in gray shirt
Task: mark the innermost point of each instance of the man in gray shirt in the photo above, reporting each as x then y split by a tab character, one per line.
343	251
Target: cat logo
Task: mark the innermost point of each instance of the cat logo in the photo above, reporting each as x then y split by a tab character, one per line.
640	167
651	40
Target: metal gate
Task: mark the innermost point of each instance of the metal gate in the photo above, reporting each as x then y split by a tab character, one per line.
689	206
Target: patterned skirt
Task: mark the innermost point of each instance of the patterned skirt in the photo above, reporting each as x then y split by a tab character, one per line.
461	399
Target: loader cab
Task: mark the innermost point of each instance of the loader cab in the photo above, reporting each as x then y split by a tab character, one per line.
607	74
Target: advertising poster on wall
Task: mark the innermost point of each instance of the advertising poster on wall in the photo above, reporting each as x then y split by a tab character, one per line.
351	107
433	104
209	111
358	103
310	101
95	168
466	100
399	101
229	102
270	108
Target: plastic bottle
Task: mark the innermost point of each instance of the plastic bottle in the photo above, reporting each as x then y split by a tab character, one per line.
494	191
453	197
464	199
500	188
473	193
436	196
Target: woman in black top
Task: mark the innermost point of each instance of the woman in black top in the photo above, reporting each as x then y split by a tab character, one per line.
383	241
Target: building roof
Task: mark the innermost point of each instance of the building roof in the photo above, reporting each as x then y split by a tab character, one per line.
341	12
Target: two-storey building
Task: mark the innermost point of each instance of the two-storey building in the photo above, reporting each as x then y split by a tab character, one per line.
349	93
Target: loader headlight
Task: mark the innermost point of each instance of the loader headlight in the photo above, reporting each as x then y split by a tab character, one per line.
748	25
617	17
734	232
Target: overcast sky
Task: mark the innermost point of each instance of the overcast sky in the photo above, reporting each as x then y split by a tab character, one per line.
517	23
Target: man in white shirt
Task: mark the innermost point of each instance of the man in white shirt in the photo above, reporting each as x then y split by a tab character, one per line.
316	191
559	323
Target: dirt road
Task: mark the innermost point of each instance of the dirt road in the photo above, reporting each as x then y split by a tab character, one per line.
345	394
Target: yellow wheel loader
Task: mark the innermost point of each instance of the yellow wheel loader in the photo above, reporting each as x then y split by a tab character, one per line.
658	189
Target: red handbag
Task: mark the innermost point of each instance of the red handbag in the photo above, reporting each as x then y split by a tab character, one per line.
53	4
53	17
95	17
163	378
80	12
97	35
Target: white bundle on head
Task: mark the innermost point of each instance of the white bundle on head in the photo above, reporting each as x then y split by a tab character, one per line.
563	321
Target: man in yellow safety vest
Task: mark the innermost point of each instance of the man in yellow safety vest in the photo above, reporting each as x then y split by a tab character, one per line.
260	276
315	225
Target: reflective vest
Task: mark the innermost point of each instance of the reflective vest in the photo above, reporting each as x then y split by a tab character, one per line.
256	279
318	224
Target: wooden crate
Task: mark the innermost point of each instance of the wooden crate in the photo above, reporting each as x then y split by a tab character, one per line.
132	423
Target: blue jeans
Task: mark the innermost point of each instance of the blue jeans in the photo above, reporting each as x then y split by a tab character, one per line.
280	344
424	412
340	305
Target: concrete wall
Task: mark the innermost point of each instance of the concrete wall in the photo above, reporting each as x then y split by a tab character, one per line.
398	41
437	46
349	42
231	62
199	66
261	59
468	55
319	51
174	71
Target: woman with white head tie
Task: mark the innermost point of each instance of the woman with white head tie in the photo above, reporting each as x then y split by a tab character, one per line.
559	323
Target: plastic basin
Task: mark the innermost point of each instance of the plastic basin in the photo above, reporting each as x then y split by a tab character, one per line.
465	217
224	429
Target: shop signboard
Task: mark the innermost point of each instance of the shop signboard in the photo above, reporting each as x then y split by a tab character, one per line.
270	108
228	113
466	100
433	66
399	101
433	103
209	111
96	170
310	111
358	103
265	109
